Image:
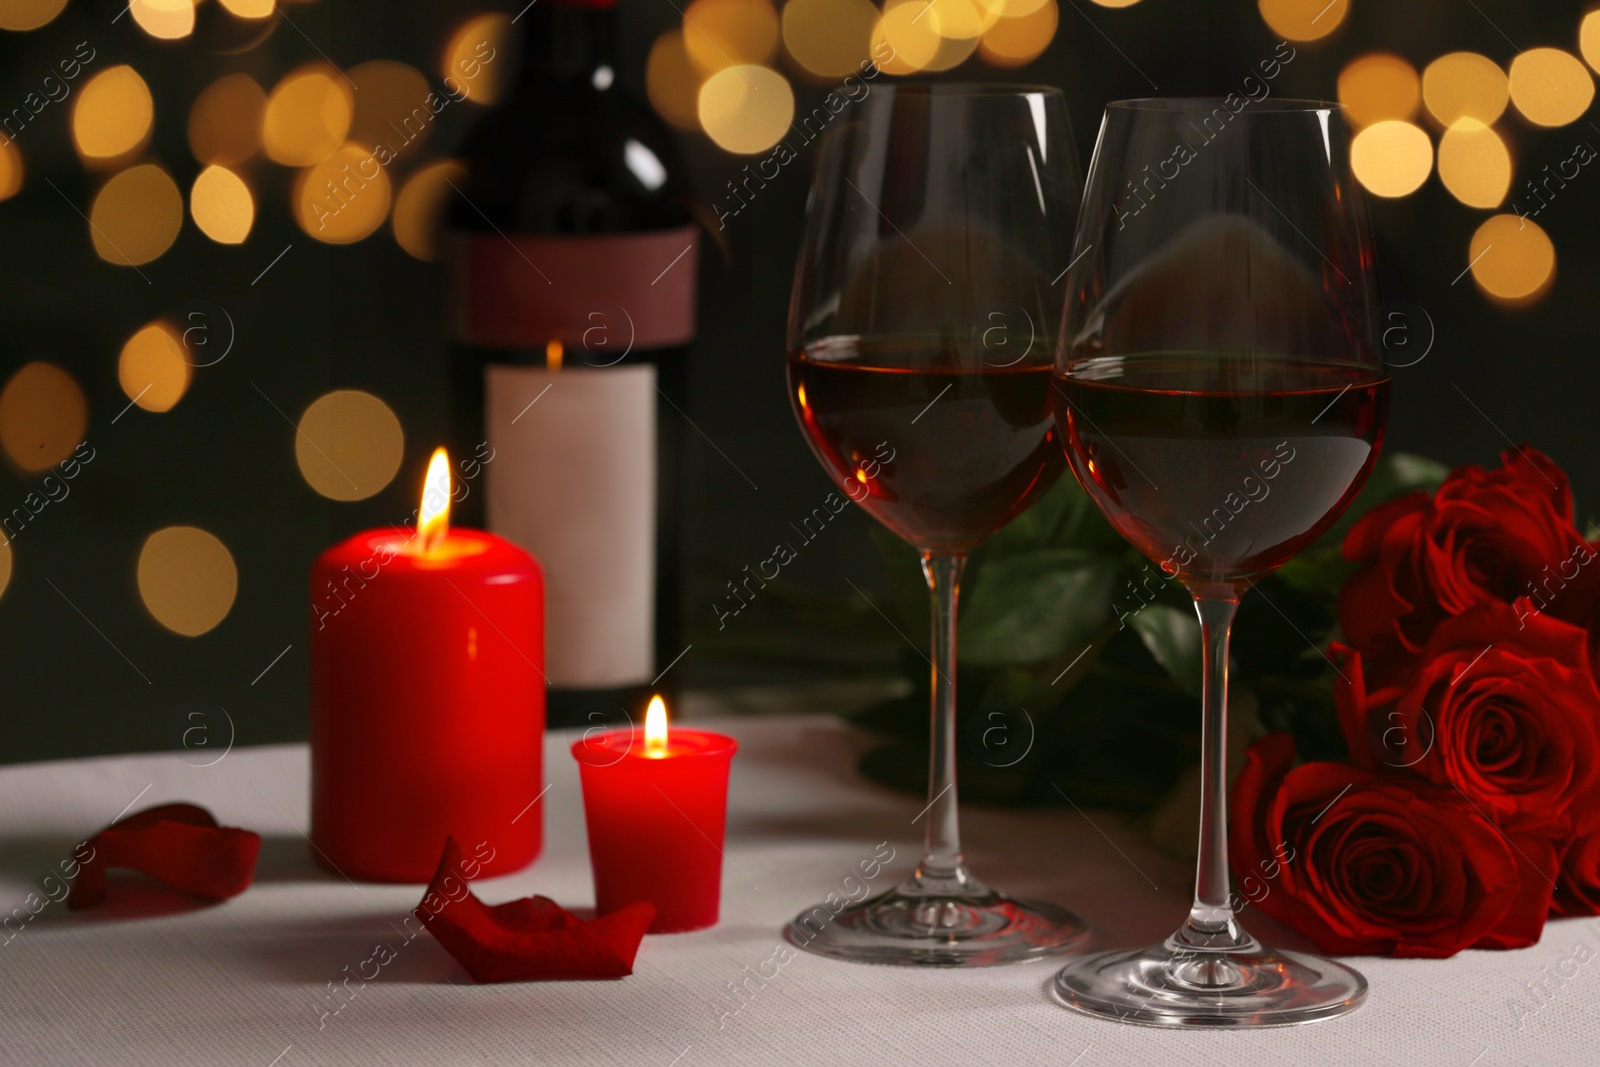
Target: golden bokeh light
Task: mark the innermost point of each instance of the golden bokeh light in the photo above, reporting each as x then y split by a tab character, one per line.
1011	42
348	445
250	9
475	65
959	20
1474	164
672	82
28	14
307	116
1391	158
221	205
725	33
829	38
1116	3
11	170
225	121
1303	20
152	369
419	209
1464	85
344	198
746	109
136	216
391	106
1512	258
166	20
43	415
908	28
187	579
1011	9
1589	38
1379	86
113	114
1550	87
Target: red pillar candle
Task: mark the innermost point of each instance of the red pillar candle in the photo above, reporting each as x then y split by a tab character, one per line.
656	806
427	698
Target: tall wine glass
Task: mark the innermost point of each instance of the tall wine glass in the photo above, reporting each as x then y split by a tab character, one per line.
1221	400
919	348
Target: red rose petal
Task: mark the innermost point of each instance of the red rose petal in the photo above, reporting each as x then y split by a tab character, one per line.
179	844
1523	922
530	939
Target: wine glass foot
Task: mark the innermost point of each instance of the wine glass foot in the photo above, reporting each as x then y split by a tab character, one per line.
901	929
1166	985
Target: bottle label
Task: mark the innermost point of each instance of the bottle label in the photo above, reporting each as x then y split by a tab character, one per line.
599	296
574	482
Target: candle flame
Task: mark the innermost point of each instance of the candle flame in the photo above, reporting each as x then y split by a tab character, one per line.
655	727
552	355
433	517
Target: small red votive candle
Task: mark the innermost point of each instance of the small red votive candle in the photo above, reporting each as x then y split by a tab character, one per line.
427	698
656	806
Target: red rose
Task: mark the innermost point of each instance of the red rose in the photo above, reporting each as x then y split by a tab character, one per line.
1485	537
1381	864
1501	705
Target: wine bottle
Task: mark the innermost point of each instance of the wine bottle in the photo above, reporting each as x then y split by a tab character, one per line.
570	275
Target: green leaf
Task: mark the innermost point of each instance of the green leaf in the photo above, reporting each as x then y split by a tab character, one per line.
1173	638
1029	608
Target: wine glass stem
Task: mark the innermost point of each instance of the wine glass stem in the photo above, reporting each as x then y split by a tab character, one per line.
942	870
1211	923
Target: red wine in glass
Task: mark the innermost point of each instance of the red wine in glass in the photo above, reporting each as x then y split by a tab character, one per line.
935	442
1247	476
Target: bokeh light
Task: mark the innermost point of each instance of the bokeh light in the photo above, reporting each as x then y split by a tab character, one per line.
419	209
1116	3
672	82
1391	158
1512	258
136	216
307	116
1303	20
475	65
344	198
348	445
726	33
1550	87
166	20
909	28
1589	38
746	109
28	14
187	579
11	170
829	38
225	121
250	9
391	107
1474	164
1013	41
221	205
152	369
1464	85
1377	87
113	114
43	415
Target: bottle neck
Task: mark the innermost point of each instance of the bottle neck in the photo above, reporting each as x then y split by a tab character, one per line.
566	42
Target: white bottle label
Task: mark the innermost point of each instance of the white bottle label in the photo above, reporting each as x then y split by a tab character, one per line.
574	482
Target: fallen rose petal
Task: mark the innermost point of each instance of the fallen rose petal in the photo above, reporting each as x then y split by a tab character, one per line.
530	939
179	844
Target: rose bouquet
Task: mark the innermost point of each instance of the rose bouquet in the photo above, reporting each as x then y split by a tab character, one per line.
1467	807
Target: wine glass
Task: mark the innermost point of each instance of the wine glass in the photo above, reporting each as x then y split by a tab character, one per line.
920	342
1221	400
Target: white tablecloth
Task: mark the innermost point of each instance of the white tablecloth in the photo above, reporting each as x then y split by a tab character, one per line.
247	981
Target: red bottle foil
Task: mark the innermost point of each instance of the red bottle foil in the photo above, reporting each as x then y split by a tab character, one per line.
656	822
427	704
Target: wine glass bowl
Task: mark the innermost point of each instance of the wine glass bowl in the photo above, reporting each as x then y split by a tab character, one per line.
1221	400
920	346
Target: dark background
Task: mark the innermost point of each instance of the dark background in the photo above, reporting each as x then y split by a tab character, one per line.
74	659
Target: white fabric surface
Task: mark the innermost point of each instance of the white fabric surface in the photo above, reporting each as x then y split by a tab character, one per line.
245	982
